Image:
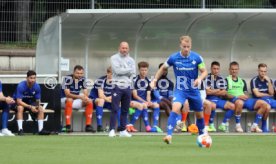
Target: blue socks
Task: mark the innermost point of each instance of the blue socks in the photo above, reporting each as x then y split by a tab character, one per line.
200	125
5	117
99	115
212	116
179	118
258	118
228	114
238	119
145	116
156	112
172	122
264	125
135	116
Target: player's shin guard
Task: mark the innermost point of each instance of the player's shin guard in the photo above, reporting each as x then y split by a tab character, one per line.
171	122
88	113
200	125
99	115
228	114
206	119
145	116
156	112
135	116
68	112
212	116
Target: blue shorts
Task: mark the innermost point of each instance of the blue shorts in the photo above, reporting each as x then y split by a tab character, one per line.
219	103
193	98
248	104
271	102
153	101
107	105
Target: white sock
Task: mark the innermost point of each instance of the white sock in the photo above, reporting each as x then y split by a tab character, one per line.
238	124
40	125
20	123
223	123
255	124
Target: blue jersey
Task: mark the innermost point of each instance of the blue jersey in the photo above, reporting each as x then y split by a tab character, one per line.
142	86
165	87
185	69
69	83
215	83
202	85
262	86
101	83
28	95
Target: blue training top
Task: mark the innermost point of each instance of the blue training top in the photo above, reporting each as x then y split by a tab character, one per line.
103	84
28	95
262	86
142	86
165	87
215	83
185	69
69	83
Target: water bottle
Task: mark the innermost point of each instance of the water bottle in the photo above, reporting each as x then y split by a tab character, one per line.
249	127
227	127
106	128
273	128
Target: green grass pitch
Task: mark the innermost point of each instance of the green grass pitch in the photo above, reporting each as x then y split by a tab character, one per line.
137	150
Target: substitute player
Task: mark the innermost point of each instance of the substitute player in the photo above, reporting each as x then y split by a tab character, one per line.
5	103
72	99
28	95
101	96
186	64
142	93
237	93
262	88
165	88
216	91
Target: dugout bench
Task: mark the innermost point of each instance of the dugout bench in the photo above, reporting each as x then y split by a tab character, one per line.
78	119
50	105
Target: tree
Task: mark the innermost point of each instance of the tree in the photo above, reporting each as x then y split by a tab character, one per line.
15	21
23	20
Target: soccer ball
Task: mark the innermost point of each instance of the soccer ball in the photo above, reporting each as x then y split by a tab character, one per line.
204	140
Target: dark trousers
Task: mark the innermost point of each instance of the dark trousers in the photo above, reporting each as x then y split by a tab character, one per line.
120	96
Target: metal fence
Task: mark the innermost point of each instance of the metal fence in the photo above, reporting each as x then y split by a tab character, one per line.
21	20
184	4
